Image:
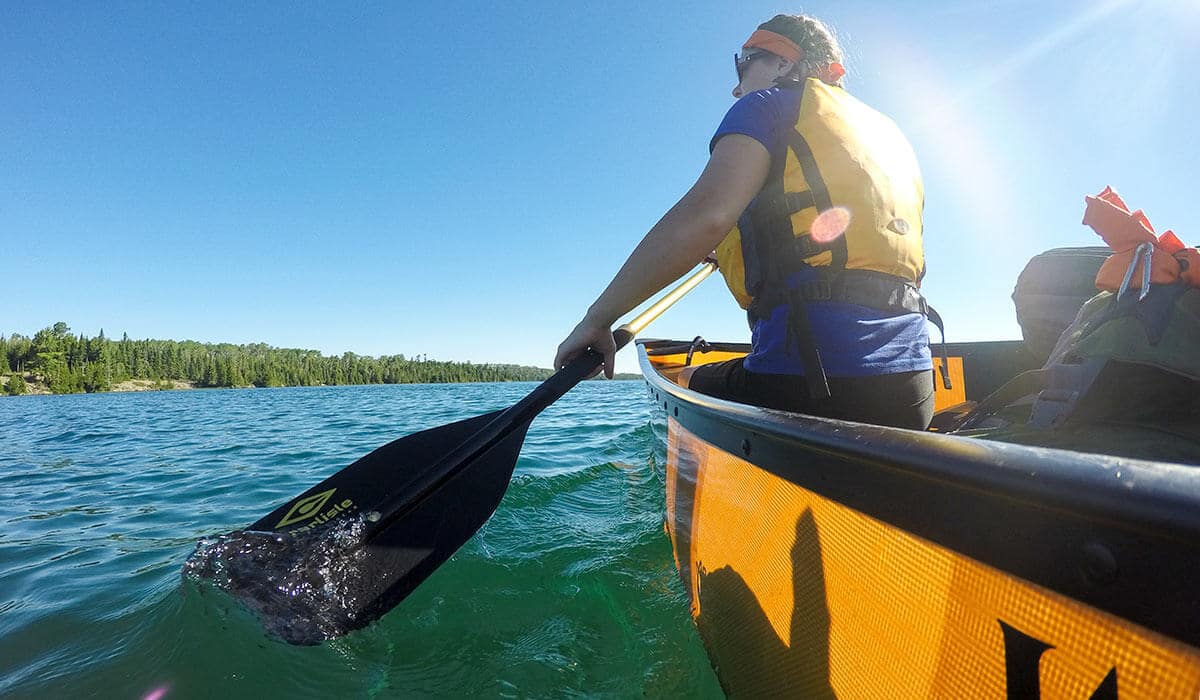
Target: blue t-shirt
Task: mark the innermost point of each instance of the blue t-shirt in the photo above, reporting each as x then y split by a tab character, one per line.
854	341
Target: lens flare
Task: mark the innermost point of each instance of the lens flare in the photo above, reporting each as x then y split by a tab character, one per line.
830	224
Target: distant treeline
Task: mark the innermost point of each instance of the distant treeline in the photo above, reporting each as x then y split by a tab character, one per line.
68	363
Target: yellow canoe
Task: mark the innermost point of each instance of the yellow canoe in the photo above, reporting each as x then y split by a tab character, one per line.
826	558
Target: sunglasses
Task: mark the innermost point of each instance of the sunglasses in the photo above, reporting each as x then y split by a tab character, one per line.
743	61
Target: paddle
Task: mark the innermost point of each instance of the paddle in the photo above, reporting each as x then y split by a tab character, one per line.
347	550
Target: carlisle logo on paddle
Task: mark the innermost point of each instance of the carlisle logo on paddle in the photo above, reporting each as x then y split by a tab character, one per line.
306	508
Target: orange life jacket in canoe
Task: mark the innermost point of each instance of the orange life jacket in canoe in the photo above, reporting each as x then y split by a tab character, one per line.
1140	258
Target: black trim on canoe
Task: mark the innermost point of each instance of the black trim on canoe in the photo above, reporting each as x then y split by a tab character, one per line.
1121	535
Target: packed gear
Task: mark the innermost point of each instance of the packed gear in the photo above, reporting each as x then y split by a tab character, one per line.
1124	376
1050	291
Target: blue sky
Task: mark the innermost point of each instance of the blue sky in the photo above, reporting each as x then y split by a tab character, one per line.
460	180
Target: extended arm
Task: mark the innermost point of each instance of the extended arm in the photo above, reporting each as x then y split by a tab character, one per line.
735	172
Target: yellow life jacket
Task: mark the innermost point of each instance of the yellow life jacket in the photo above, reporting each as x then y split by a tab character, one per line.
841	153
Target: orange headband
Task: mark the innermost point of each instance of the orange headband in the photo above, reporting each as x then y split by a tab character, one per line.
777	44
784	47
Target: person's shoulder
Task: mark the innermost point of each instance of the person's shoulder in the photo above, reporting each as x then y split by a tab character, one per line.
762	115
777	100
774	94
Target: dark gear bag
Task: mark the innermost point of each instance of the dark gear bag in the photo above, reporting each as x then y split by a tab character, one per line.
1050	291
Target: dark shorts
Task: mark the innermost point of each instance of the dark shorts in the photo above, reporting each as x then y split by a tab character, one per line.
902	400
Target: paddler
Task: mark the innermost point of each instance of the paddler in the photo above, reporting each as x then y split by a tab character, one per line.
812	202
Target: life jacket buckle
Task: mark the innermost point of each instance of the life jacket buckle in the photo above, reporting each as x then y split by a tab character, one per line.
819	288
804	247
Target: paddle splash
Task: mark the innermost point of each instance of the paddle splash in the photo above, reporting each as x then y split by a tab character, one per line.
304	589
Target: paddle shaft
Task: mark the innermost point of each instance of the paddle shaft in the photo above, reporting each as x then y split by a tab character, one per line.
523	412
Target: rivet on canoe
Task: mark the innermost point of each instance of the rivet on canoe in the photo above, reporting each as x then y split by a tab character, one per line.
746	447
1099	565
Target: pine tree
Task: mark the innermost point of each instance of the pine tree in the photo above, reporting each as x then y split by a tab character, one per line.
16	385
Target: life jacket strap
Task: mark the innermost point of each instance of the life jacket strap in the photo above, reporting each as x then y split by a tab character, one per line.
936	319
1066	383
800	335
876	290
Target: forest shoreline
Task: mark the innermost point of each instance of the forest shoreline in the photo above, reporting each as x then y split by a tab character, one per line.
35	385
57	361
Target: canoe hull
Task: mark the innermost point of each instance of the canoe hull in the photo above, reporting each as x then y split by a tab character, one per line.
802	586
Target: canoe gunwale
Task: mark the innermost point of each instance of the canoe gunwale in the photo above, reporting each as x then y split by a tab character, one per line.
1041	514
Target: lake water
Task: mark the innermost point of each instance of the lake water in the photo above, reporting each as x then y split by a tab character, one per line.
568	590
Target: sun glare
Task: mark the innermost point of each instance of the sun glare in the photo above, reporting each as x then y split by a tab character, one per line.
1185	15
968	128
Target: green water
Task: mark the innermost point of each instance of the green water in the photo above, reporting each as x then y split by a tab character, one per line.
569	590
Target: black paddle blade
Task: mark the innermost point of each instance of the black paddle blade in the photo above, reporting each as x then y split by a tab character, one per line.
381	476
325	564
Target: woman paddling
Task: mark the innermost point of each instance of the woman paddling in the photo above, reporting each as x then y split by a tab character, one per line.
812	202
